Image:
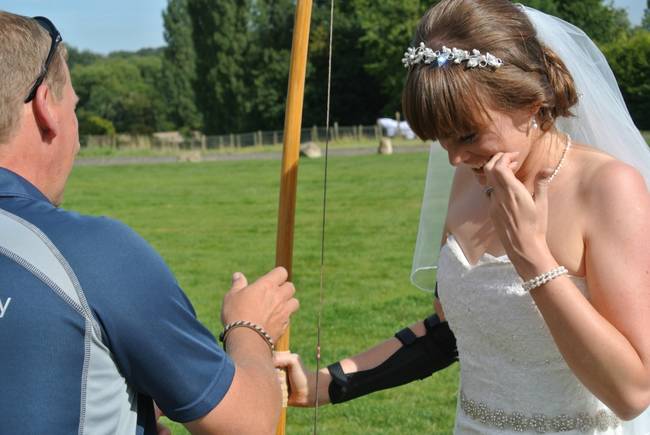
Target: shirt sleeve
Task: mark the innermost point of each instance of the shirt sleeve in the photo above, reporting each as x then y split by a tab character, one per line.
152	330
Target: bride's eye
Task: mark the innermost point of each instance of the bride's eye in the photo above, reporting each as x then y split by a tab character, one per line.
468	138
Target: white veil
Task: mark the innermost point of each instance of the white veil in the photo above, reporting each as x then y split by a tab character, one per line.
601	120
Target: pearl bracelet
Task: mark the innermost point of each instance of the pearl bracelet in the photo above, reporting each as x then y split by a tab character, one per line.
542	279
250	325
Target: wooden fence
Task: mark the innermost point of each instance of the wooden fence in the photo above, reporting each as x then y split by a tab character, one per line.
175	140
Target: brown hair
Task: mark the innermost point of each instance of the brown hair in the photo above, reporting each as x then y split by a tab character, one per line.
24	45
452	100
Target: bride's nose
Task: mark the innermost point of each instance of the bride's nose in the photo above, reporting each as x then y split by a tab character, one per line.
456	157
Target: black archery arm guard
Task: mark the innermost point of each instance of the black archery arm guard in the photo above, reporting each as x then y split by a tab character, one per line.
418	358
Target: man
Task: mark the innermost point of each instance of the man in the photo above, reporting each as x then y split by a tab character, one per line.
93	326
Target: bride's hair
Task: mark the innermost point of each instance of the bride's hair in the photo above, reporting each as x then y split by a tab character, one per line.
451	100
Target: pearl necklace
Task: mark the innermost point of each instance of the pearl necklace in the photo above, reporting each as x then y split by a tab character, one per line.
562	158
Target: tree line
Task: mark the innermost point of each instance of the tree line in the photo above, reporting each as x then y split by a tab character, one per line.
225	65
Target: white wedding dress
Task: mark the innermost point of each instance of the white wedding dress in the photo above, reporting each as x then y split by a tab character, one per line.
512	375
513	379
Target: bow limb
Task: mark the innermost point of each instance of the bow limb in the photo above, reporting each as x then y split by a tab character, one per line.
290	156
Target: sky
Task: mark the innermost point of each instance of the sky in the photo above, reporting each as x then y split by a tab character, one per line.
104	26
99	25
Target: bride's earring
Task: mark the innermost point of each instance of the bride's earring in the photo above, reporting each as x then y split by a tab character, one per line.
533	124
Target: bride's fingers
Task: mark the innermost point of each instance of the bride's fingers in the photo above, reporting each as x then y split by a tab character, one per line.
489	166
488	170
502	167
501	175
285	359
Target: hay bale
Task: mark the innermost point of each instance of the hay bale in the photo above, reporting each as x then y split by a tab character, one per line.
385	146
190	156
310	150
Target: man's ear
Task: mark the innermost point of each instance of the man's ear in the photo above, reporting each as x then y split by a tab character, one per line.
41	106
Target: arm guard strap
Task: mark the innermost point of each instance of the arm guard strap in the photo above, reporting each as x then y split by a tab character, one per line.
418	358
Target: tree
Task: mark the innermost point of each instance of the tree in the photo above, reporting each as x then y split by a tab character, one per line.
122	91
78	57
630	61
548	6
645	23
267	63
388	27
602	22
220	35
179	67
357	97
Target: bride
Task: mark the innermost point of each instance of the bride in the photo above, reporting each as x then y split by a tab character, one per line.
544	268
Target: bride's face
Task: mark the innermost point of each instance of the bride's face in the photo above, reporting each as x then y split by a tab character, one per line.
506	133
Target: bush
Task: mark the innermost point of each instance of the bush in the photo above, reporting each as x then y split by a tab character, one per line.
90	124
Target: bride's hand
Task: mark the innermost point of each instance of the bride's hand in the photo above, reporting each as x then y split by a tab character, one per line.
302	383
519	218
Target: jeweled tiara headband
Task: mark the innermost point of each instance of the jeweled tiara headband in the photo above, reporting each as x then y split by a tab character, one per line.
425	55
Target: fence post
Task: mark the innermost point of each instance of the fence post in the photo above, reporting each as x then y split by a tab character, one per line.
261	138
275	137
377	132
238	141
399	130
314	134
360	131
336	130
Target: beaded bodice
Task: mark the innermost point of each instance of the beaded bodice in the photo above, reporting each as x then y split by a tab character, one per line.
513	377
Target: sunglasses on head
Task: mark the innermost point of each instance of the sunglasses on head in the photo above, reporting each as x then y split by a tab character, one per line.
56	39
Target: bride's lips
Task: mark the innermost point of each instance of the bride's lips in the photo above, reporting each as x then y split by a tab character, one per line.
478	169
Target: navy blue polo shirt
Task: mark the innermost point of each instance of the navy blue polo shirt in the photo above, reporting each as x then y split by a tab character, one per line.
145	321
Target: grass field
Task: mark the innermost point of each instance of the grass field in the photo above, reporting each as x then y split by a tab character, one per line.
210	219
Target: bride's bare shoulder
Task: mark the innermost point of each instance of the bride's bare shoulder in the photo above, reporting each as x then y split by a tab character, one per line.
600	174
608	186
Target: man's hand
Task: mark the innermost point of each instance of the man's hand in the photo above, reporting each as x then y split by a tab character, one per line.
252	404
268	302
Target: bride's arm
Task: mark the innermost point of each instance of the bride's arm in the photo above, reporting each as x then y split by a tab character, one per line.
303	381
385	365
606	340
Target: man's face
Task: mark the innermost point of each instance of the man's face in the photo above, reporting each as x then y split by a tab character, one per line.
67	137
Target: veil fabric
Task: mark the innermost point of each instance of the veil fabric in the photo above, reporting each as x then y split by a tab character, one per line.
601	120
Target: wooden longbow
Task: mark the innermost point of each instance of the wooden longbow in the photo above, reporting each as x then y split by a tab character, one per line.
290	157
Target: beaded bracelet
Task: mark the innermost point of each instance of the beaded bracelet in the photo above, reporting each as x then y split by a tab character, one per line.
544	278
250	325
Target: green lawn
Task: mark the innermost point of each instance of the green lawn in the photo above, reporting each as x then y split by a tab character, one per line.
210	219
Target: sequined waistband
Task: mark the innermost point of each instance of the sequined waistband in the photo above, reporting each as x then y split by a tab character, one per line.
540	423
